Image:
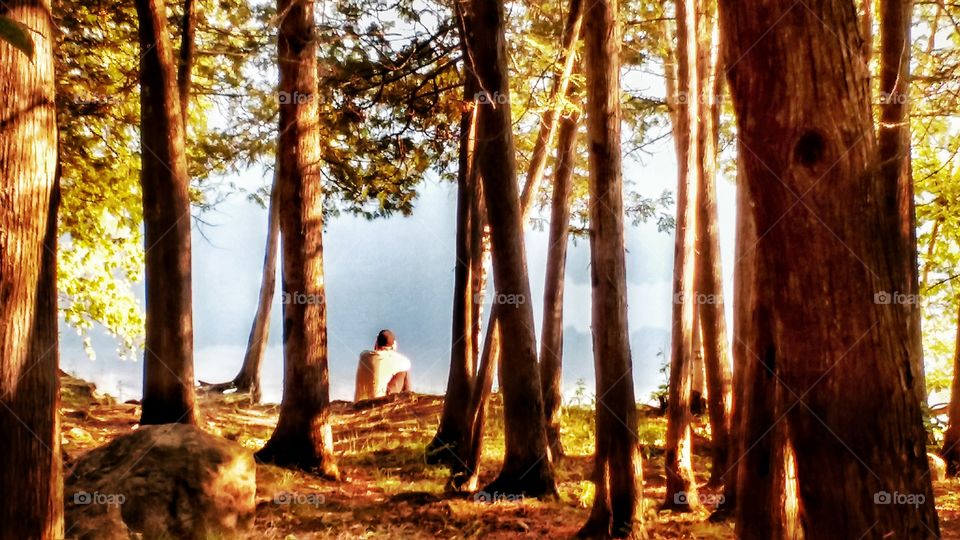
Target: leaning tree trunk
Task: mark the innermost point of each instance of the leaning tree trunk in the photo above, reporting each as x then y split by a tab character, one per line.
303	437
454	428
526	465
551	340
709	271
536	169
617	461
681	489
825	266
168	385
248	380
31	473
951	438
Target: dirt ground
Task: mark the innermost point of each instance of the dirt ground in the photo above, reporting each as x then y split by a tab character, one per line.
388	489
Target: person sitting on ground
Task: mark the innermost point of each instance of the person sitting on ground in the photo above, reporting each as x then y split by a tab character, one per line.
382	371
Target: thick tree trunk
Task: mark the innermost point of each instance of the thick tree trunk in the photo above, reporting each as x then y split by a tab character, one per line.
31	473
951	438
709	271
454	428
526	466
168	385
824	266
681	492
303	438
551	340
188	47
618	472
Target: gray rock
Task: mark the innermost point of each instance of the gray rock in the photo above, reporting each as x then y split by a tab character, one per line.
169	481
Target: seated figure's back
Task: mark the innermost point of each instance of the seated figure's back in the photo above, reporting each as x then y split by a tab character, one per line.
378	368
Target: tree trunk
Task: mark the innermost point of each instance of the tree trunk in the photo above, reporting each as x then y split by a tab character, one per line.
303	437
618	471
551	340
526	466
454	428
681	489
709	271
31	473
548	124
893	145
824	267
188	47
168	385
951	438
248	379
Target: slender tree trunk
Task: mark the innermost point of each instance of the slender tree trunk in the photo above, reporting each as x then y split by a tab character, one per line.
248	378
168	393
824	264
951	438
526	466
303	437
618	471
709	271
681	492
188	47
548	124
454	428
551	341
31	473
893	146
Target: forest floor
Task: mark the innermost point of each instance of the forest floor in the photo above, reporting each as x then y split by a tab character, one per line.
390	492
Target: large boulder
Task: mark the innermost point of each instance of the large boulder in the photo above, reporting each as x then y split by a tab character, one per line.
169	481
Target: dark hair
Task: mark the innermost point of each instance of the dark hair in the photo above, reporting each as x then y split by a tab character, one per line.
385	339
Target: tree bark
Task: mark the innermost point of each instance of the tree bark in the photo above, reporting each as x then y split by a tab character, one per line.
951	438
188	47
548	124
31	473
168	393
823	267
709	270
681	489
454	428
551	340
618	472
303	437
526	466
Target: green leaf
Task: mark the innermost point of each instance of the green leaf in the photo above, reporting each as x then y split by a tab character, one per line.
16	34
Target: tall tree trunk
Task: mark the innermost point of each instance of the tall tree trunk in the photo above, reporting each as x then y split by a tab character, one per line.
526	466
248	378
617	462
709	271
168	385
548	124
893	146
826	216
454	428
31	473
951	438
681	492
537	164
188	47
303	437
551	340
